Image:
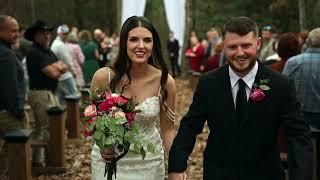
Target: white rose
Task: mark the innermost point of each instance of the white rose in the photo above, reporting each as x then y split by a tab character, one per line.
90	111
114	95
119	114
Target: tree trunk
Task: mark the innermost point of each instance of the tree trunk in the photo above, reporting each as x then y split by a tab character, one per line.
33	11
188	27
194	14
78	17
77	13
118	16
20	10
4	6
111	13
302	15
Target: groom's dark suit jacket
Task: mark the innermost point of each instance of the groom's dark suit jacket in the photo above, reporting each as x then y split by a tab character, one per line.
244	150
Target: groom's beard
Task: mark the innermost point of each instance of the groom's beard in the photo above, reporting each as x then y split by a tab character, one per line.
242	67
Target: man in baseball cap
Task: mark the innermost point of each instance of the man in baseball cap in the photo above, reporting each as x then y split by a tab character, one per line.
67	85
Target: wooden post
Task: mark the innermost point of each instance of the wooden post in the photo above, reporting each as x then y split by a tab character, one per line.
73	117
19	153
315	135
56	156
85	96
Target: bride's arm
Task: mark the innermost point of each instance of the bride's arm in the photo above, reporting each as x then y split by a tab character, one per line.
100	80
167	115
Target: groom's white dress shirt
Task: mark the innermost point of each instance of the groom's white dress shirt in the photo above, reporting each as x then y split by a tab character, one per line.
248	79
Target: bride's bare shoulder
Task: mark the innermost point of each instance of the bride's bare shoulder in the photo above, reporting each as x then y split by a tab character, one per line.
104	73
102	76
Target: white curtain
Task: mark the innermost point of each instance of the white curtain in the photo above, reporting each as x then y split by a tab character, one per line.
175	13
132	8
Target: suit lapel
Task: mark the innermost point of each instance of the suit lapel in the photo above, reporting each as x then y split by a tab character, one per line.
253	107
226	94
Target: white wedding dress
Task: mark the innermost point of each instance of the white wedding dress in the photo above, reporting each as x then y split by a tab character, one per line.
131	166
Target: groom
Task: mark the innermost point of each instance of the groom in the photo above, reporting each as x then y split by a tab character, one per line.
244	104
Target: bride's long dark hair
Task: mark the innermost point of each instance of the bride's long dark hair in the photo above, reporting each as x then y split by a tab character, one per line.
123	64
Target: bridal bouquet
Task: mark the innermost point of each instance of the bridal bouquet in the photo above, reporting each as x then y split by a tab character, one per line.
110	120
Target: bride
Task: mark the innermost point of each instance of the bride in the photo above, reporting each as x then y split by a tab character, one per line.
140	72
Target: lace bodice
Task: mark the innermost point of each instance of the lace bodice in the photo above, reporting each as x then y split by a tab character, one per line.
150	109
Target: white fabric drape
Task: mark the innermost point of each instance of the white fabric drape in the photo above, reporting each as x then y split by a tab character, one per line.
132	8
175	13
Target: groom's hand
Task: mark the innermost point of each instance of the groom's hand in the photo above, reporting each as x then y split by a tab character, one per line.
108	155
177	176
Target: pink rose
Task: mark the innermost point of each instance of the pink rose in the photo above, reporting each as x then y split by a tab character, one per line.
90	111
119	114
121	100
107	104
257	95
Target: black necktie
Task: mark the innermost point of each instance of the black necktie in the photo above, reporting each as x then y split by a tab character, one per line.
241	102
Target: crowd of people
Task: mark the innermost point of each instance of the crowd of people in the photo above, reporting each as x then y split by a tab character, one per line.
44	71
207	54
247	89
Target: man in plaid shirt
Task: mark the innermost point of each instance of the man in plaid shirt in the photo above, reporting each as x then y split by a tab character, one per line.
305	70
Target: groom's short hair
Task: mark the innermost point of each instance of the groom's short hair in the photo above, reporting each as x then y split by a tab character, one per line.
240	25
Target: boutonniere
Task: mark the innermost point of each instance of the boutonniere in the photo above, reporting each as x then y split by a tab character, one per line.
257	92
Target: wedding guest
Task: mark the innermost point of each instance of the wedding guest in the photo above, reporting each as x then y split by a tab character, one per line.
98	36
12	91
214	39
173	50
75	31
91	54
288	46
44	71
304	69
77	58
268	40
106	46
214	60
196	54
67	85
302	36
114	51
